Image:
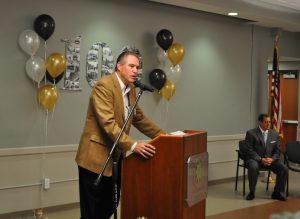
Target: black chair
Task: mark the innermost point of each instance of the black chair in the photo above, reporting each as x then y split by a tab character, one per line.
241	163
292	159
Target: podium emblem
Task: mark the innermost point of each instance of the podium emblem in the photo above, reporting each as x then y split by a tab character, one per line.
196	179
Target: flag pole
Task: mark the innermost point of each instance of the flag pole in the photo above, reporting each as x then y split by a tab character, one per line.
271	99
276	69
271	179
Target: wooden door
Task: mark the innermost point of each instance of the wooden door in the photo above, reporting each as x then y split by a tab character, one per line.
289	102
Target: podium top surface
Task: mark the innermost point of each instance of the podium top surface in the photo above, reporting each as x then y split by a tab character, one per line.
187	133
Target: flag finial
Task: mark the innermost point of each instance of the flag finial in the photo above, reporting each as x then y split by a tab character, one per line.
276	39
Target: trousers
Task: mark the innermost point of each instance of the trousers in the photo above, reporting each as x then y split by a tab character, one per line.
277	167
96	202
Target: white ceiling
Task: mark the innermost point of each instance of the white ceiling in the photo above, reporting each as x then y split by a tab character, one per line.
283	14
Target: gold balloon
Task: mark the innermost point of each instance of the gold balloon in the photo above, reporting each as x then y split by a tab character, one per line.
168	90
47	96
175	53
56	64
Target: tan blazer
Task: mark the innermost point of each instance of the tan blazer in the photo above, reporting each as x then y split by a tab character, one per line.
104	120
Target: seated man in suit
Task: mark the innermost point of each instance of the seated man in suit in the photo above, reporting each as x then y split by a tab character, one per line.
262	150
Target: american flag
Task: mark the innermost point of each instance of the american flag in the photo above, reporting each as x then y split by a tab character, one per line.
276	109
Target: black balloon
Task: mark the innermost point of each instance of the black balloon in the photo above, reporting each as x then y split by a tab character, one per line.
164	39
157	78
44	25
52	80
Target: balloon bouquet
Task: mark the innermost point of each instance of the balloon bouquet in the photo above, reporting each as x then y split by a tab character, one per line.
36	67
169	56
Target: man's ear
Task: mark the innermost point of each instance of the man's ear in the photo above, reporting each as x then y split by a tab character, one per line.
119	66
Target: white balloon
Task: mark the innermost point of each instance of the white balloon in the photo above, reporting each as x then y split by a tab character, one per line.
175	73
29	41
161	55
164	60
36	68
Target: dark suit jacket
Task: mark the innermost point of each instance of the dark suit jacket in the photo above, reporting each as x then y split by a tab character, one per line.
256	147
104	120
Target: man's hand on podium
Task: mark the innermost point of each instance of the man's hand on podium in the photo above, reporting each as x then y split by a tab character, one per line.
144	149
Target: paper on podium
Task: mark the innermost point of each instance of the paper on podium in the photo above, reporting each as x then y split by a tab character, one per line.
178	133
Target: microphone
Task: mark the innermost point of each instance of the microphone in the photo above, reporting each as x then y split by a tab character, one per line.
143	86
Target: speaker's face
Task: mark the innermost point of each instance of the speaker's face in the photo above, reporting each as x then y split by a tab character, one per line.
128	69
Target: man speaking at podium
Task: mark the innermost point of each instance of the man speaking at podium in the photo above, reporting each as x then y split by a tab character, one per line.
110	103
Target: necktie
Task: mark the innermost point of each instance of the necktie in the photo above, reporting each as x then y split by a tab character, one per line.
265	137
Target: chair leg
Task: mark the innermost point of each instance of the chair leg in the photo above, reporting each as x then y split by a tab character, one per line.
268	180
237	174
287	185
244	178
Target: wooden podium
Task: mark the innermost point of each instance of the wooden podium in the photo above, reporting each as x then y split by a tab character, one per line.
156	188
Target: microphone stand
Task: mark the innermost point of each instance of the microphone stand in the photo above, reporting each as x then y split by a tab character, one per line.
115	166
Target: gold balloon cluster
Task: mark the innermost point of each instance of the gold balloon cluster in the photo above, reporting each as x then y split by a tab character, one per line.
175	53
56	64
170	57
168	90
47	94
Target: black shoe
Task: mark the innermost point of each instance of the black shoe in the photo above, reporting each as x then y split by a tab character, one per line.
278	196
250	196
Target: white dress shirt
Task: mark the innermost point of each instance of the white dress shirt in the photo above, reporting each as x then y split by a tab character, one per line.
125	94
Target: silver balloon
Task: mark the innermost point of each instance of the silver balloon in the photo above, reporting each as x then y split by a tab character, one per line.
163	59
29	41
162	55
36	68
175	73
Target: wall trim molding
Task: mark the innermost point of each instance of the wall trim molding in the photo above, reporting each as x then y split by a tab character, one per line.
14	151
37	150
225	137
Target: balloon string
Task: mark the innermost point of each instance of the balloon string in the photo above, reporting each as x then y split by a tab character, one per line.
45	57
167	111
53	109
42	197
38	98
52	115
45	49
37	101
46	127
164	112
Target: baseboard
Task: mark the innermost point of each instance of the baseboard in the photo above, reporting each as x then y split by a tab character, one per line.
29	214
230	179
220	181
